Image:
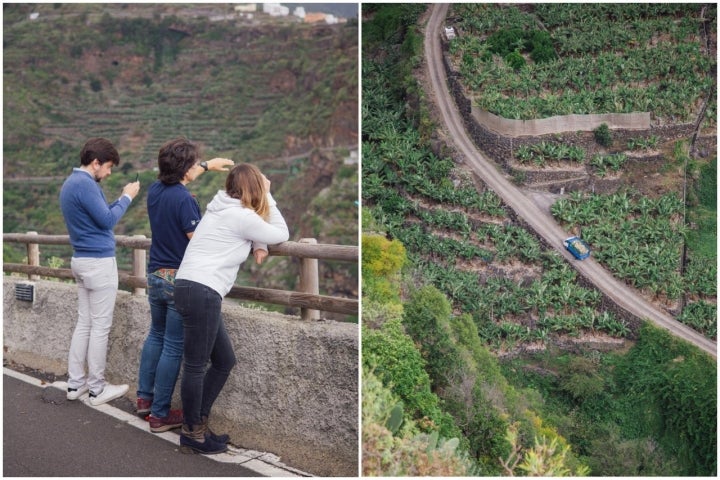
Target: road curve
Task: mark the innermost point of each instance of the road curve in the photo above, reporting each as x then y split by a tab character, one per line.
623	295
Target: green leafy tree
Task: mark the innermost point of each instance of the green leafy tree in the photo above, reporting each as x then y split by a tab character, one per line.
382	260
400	366
426	317
602	135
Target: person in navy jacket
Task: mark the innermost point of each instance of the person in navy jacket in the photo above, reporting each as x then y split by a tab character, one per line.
174	214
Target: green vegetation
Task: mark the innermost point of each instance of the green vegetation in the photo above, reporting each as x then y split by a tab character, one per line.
700	275
545	151
641	143
139	74
393	450
638	238
613	161
475	287
602	135
648	412
619	59
150	79
703	212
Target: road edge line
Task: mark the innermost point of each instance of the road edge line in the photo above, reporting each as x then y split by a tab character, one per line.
259	462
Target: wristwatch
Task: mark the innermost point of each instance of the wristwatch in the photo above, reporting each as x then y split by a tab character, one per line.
204	165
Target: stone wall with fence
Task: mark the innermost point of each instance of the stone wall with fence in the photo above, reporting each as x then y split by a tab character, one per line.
293	391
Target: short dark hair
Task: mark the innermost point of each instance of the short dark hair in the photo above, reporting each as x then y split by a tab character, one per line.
175	158
100	148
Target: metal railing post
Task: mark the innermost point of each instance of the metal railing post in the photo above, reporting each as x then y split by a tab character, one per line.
33	254
138	264
309	281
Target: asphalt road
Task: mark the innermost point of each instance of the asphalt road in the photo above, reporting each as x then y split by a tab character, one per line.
623	295
44	435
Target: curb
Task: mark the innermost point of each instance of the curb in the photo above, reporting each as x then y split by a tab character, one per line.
265	464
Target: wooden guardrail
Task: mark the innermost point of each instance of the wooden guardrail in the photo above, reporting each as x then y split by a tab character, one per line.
307	250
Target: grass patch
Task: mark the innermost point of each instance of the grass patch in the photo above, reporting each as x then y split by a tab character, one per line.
702	239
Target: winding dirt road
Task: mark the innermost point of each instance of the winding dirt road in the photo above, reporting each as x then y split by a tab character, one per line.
623	295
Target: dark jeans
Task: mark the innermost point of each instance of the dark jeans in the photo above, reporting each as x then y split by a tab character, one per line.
205	339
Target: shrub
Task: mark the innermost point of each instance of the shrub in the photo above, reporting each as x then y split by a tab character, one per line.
541	47
391	450
95	85
504	42
381	260
396	361
603	136
515	60
427	320
380	256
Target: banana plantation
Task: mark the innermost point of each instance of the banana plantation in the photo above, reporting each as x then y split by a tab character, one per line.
640	240
617	58
492	356
461	240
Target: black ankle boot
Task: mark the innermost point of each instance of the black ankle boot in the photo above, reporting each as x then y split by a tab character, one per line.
224	438
196	439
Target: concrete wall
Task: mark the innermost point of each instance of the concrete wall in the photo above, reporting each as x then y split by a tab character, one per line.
293	391
499	138
560	123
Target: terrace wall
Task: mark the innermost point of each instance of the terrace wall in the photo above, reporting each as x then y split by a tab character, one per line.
499	137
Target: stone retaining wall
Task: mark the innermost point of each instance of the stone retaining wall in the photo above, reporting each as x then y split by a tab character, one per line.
499	137
293	391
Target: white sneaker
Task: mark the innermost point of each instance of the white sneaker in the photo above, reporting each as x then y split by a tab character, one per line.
75	393
110	392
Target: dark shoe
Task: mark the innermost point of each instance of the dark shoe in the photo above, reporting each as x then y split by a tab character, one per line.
224	438
196	439
173	420
143	406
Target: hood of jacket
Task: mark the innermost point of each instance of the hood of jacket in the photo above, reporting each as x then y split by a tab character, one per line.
222	201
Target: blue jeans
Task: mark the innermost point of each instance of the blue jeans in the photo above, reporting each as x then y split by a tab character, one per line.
205	340
163	350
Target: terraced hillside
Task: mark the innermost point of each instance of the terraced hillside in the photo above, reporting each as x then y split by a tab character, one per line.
466	297
255	89
661	163
272	91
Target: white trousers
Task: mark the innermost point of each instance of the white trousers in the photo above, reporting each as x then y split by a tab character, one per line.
97	281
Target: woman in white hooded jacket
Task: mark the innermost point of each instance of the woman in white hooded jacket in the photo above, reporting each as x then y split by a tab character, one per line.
242	217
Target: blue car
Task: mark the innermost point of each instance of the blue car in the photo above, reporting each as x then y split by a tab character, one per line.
577	247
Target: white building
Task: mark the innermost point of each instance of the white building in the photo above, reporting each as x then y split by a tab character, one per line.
299	12
246	8
275	10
